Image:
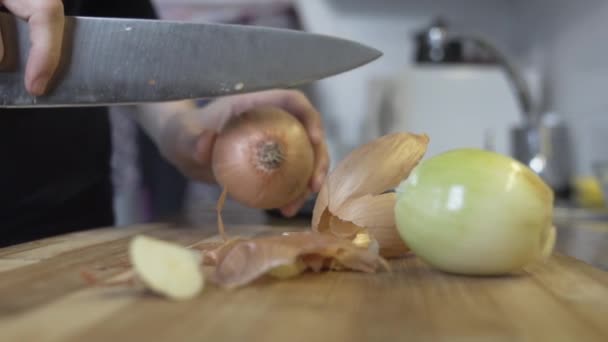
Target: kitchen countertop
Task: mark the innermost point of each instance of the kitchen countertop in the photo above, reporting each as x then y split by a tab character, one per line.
583	234
43	298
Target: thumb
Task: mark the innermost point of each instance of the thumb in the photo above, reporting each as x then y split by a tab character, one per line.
192	154
203	151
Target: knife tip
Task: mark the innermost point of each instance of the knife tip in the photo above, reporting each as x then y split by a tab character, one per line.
376	53
372	53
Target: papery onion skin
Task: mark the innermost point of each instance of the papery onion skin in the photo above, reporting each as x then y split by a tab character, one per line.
370	169
353	198
475	212
263	158
289	270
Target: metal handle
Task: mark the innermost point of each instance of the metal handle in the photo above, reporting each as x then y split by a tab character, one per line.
515	76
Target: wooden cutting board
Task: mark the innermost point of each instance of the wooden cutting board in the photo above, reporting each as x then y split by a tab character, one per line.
43	298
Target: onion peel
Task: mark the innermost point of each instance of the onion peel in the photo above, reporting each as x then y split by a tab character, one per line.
342	228
371	169
354	199
244	261
219	208
375	214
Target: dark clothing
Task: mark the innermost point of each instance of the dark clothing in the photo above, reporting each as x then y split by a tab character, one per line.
55	175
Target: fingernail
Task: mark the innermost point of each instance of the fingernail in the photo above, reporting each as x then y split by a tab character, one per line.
39	86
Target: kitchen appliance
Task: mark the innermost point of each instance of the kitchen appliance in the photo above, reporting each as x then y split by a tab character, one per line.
464	92
459	96
123	61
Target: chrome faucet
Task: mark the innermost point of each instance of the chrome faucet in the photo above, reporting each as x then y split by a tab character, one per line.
541	141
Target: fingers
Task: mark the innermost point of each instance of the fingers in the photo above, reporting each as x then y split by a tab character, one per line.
292	101
300	107
192	156
196	156
46	21
46	35
321	166
1	48
292	209
204	148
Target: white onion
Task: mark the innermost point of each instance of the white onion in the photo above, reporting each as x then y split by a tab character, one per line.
476	212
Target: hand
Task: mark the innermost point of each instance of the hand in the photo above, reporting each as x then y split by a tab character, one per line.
187	139
46	21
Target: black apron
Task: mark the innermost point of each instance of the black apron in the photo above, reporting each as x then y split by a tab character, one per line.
55	174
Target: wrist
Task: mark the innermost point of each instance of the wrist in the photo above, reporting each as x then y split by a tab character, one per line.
155	118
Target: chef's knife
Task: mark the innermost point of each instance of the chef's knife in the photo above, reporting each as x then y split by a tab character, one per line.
124	61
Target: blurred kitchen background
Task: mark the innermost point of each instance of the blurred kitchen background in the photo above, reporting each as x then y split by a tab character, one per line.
526	78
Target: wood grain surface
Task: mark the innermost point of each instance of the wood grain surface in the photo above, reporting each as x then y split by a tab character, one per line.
43	298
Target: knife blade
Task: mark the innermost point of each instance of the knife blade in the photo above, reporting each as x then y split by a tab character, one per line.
108	61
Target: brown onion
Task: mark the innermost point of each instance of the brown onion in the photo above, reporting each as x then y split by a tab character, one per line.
263	158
